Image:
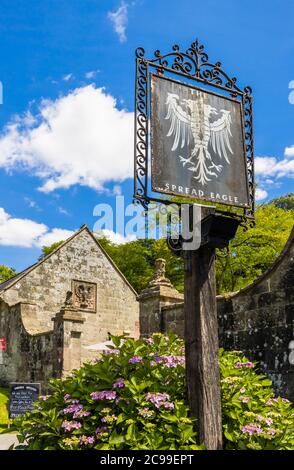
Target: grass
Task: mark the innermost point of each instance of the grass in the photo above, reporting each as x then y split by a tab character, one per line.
4	398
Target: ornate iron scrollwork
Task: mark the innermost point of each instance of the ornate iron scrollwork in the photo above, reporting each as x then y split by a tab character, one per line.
194	64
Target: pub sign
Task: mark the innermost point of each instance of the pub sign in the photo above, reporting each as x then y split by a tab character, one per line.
193	133
197	145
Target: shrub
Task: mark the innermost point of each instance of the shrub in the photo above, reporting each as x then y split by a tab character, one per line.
132	397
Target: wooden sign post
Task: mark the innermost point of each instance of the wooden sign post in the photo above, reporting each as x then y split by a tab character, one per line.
201	149
201	345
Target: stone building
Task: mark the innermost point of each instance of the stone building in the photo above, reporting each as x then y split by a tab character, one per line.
54	313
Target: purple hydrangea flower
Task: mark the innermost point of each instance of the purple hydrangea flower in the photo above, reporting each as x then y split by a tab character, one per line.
170	361
135	359
160	399
103	395
101	430
168	405
81	414
248	364
72	409
119	383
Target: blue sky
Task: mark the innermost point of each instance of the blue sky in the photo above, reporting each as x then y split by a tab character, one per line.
67	71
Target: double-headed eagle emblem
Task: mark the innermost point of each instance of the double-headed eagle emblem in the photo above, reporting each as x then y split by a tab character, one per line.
190	123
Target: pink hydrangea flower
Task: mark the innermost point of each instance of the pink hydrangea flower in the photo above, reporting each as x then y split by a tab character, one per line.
160	400
70	425
81	414
251	429
149	340
244	399
44	397
85	440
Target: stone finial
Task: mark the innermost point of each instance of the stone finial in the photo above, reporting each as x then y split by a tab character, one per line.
159	269
68	303
159	273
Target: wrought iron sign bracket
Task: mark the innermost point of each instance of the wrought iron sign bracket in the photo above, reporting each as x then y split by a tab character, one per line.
191	65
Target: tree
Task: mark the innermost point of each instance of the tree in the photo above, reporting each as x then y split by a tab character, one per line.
136	260
249	255
253	251
46	250
284	202
6	273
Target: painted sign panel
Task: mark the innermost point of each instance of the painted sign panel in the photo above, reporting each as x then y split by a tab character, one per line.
197	144
21	398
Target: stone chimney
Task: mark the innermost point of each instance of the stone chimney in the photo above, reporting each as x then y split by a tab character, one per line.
159	293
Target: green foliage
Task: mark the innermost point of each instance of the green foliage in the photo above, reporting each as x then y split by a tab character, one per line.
128	419
6	273
252	252
252	417
136	261
284	202
46	250
4	397
133	397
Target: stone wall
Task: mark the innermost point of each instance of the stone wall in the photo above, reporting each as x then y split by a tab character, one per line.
29	357
258	320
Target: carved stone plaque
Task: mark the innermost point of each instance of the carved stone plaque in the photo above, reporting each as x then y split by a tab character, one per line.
84	295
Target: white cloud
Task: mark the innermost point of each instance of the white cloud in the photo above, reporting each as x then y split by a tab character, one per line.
67	77
91	74
119	19
289	151
28	233
52	236
115	237
260	194
61	210
271	166
81	138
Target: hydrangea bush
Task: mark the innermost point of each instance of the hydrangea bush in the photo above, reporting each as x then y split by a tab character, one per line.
133	397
